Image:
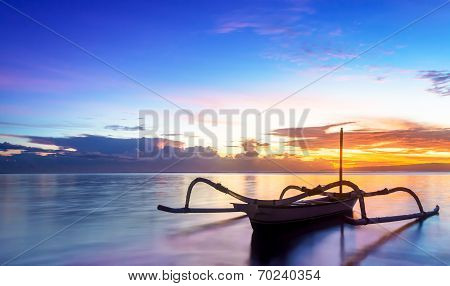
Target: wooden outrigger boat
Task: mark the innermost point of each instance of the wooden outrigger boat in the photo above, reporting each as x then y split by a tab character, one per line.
297	209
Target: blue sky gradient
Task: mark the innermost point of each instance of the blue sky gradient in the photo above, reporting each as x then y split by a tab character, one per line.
212	54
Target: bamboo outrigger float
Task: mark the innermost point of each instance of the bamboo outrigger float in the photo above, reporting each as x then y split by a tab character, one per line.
296	209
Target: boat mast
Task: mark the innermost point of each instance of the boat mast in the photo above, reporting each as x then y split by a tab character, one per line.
341	141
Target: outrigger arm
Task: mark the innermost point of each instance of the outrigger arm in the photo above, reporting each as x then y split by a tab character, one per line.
282	202
364	220
306	192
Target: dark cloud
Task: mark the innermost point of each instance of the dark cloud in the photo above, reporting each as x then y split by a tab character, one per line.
251	146
103	146
200	151
92	146
7	146
440	81
123	128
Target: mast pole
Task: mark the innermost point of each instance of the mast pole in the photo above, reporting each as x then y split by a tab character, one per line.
341	145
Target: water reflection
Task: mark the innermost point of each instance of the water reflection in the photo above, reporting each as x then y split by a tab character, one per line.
130	231
276	245
361	254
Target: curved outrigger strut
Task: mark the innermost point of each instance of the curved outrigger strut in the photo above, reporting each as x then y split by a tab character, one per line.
361	195
306	192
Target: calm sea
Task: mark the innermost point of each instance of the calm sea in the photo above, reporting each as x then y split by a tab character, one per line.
111	219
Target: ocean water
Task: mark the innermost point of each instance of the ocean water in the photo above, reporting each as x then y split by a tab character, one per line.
111	219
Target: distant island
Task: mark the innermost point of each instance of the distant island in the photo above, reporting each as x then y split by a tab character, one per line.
27	163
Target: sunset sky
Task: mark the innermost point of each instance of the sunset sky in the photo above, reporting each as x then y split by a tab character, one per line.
75	68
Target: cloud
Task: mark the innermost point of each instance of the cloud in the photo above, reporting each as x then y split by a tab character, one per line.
251	147
261	27
123	128
90	146
7	146
295	36
100	145
265	20
336	32
8	149
414	136
440	80
309	53
231	26
200	151
307	132
48	125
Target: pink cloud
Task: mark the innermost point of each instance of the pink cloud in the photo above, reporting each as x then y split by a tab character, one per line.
232	26
336	32
267	21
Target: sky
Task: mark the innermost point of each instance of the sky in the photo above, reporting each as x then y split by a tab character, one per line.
70	69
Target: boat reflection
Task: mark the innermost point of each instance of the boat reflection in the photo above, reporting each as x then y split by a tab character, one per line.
358	256
279	245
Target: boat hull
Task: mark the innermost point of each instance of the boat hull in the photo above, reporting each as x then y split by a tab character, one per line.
295	213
